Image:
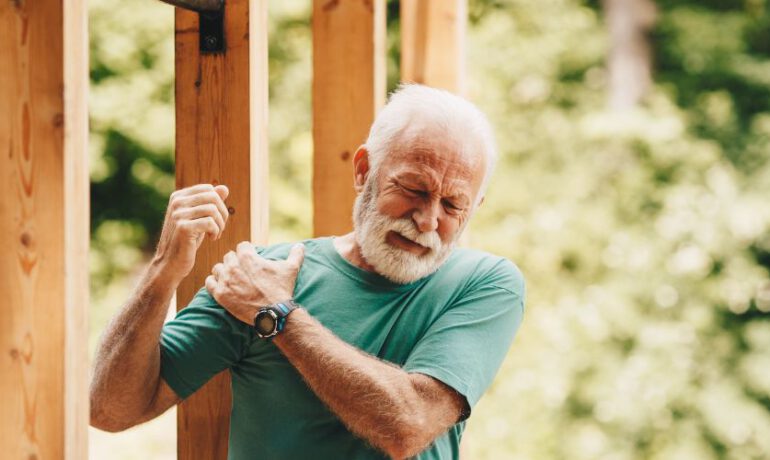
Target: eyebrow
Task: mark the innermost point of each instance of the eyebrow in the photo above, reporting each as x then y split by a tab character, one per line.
411	177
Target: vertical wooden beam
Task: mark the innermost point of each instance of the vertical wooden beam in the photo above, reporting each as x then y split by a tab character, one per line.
433	43
348	89
44	226
221	139
433	46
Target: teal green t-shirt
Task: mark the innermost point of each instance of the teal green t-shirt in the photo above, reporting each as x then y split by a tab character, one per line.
455	325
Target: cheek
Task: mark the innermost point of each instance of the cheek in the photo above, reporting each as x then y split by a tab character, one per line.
394	206
448	227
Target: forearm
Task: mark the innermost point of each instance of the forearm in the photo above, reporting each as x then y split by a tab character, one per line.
376	400
127	368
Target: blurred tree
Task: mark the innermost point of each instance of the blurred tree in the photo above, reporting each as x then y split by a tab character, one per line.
629	63
643	236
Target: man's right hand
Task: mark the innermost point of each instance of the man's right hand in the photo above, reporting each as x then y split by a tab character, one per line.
192	213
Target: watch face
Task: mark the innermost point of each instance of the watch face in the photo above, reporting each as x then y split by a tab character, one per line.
265	322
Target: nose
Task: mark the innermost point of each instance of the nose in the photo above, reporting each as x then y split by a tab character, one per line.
425	216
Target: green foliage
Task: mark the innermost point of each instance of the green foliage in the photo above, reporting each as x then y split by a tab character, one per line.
132	132
644	237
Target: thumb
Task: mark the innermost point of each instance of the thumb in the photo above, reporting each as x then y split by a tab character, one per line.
296	255
222	191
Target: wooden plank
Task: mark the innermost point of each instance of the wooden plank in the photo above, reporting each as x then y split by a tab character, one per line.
77	218
348	89
433	43
214	145
44	226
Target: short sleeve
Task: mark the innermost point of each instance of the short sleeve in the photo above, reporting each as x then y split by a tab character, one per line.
466	345
203	340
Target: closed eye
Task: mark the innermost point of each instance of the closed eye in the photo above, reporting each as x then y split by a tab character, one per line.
413	191
450	205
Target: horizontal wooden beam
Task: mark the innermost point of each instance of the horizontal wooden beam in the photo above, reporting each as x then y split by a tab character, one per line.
197	5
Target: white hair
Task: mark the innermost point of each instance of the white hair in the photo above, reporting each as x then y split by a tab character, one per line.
455	117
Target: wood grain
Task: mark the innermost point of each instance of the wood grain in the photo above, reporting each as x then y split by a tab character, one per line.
44	227
433	43
348	89
216	144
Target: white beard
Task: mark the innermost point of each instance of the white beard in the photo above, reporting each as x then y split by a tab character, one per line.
395	264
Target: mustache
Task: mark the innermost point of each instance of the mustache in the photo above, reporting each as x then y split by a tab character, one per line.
407	229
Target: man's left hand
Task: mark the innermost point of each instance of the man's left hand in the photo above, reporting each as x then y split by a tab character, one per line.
244	281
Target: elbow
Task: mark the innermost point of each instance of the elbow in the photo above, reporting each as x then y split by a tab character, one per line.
107	425
403	449
409	440
106	418
103	422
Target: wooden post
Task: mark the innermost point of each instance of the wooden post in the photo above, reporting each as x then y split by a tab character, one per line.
348	89
44	226
433	43
433	47
221	139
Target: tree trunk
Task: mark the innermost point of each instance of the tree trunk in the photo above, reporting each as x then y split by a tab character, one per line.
630	59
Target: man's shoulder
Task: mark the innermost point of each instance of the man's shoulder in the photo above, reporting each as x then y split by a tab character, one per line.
281	250
485	269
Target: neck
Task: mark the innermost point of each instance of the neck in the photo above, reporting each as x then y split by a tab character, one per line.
347	246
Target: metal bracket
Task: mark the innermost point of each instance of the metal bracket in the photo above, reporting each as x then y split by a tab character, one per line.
212	32
211	20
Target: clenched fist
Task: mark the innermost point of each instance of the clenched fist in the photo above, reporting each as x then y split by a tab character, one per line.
244	282
192	213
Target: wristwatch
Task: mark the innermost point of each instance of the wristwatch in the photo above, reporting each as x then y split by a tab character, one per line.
271	319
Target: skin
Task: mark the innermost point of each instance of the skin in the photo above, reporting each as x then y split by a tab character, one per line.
126	388
427	180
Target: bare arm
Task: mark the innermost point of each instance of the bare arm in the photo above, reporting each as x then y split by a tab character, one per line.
398	412
126	388
127	371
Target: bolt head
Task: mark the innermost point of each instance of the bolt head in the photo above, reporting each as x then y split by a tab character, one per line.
210	42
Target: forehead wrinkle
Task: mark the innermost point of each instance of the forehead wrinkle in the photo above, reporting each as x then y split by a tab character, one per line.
444	147
442	159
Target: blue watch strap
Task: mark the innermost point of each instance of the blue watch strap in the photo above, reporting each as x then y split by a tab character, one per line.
283	309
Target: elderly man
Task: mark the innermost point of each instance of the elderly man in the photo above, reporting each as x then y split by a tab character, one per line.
372	344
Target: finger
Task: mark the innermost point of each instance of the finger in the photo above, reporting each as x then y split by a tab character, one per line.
296	255
222	191
245	249
203	210
207	197
211	285
196	227
216	271
231	259
192	190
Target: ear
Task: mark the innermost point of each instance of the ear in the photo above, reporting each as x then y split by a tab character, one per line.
360	168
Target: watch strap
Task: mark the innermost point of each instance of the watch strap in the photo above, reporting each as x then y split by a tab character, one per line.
280	310
285	307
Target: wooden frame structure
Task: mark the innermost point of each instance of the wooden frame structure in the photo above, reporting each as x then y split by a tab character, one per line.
44	213
44	225
433	43
218	142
